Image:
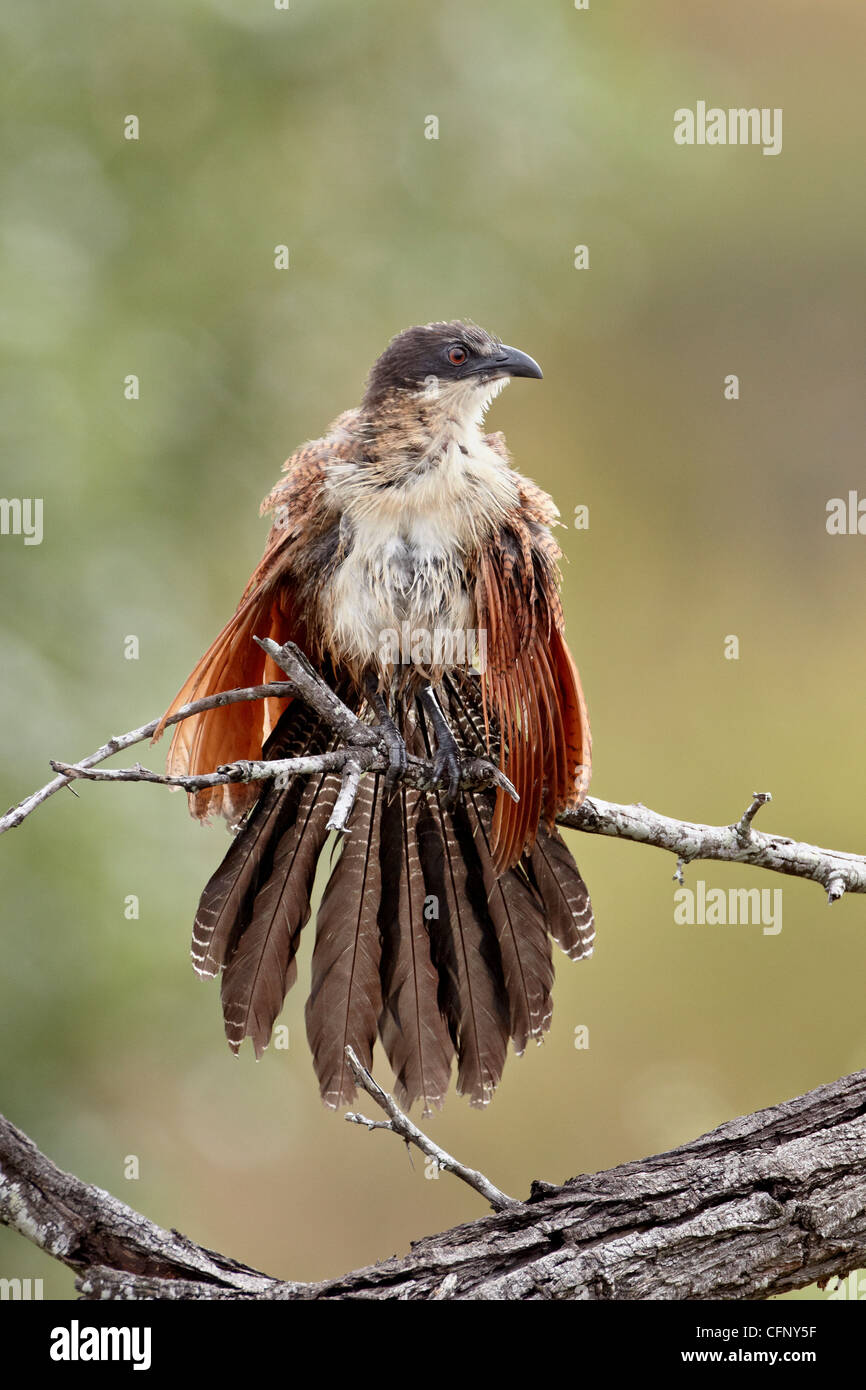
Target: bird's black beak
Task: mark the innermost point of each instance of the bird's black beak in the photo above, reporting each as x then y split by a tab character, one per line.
516	363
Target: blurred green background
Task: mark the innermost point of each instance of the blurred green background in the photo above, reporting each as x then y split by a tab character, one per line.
305	127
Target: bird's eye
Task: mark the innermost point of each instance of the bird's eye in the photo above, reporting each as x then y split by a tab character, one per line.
456	355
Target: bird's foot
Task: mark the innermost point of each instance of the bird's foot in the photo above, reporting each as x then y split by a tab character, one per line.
448	771
481	772
391	739
395	751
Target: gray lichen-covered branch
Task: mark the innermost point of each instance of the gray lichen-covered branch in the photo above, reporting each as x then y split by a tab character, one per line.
399	1123
762	1205
836	871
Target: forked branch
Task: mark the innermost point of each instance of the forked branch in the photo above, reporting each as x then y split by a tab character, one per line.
835	870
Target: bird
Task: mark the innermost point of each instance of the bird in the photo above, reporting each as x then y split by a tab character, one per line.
417	572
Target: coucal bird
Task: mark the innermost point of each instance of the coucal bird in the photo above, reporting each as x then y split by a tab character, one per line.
400	532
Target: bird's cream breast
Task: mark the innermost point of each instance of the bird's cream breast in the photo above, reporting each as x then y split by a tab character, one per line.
407	547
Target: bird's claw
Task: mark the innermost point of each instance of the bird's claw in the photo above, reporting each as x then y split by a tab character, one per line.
395	750
447	773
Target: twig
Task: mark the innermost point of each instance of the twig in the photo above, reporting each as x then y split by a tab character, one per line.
837	872
353	770
318	694
744	824
399	1123
242	771
418	772
476	772
119	742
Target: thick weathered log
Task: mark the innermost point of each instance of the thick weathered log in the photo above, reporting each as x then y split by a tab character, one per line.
763	1204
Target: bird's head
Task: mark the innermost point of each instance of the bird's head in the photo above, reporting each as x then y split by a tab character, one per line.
456	368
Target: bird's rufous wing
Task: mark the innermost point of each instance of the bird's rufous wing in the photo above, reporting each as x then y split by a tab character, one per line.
269	607
530	684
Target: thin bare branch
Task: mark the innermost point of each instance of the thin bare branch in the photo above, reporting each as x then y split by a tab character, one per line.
399	1123
13	817
353	770
418	771
318	694
744	824
245	770
836	871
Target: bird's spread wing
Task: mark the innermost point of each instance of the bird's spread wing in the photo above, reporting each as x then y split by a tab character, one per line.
271	606
530	685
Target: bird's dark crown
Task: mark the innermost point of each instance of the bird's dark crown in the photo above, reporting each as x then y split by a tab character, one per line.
447	351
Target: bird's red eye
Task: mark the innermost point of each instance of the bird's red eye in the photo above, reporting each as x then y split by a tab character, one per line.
456	355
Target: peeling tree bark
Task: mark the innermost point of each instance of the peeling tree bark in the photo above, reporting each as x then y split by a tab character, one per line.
762	1205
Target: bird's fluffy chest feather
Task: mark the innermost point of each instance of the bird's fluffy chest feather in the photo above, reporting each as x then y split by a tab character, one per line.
409	548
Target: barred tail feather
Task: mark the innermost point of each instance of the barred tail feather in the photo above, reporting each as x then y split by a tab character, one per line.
261	968
413	1030
346	993
465	949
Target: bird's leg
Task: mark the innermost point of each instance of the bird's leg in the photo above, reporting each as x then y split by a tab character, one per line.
391	736
447	766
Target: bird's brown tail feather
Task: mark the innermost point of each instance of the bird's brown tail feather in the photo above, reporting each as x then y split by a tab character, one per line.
417	938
